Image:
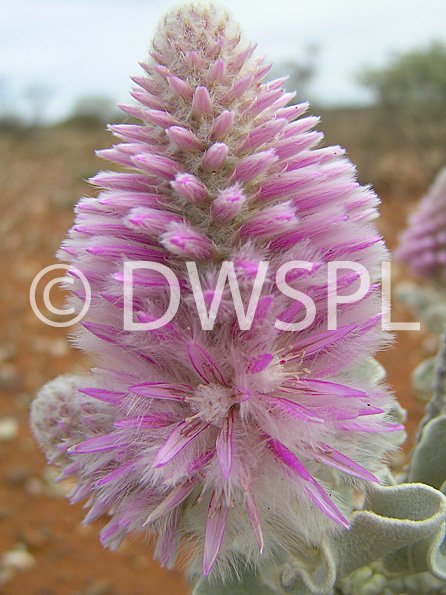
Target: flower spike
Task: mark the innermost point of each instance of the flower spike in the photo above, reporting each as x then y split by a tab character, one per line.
265	422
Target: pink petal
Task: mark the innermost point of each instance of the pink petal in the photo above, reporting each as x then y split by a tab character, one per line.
132	252
239	87
146	83
159	68
69	471
180	87
194	467
315	343
214	158
293	111
259	363
261	102
151	221
324	503
102	331
370	411
290	313
96	444
285	185
222	124
216	71
184	138
313	489
158	420
254	518
160	118
157	165
381	428
199	462
181	435
167	543
147	99
79	492
112	535
224	445
262	71
276	83
98	509
176	496
124	200
116	155
201	102
193	59
136	111
203	364
161	390
215	528
143	278
335	459
323	387
270	221
103	395
262	133
294	409
120	181
123	469
185	241
228	204
190	187
254	165
241	58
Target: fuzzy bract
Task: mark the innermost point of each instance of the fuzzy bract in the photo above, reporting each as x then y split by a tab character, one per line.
231	432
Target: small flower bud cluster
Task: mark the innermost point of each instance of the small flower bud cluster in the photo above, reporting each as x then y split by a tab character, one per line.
423	244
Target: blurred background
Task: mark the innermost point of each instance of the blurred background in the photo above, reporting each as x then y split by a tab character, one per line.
376	74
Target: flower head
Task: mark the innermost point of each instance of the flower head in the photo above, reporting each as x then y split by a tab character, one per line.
234	433
423	244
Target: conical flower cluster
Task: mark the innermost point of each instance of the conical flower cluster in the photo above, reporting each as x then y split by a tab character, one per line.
228	429
423	244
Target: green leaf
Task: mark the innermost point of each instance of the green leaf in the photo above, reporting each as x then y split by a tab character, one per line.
428	464
403	524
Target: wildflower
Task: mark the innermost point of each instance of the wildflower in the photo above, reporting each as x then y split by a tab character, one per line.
423	244
237	441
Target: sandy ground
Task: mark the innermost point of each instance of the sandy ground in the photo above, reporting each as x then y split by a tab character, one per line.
43	549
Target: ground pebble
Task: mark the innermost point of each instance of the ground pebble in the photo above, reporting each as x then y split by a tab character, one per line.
18	559
362	575
99	587
375	586
17	476
6	575
8	376
9	428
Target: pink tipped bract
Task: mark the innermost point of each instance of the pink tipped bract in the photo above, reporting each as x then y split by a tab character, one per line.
243	442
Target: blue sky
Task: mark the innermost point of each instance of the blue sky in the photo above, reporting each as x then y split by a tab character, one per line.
91	47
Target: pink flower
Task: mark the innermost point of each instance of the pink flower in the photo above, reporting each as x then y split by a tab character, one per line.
242	442
423	244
